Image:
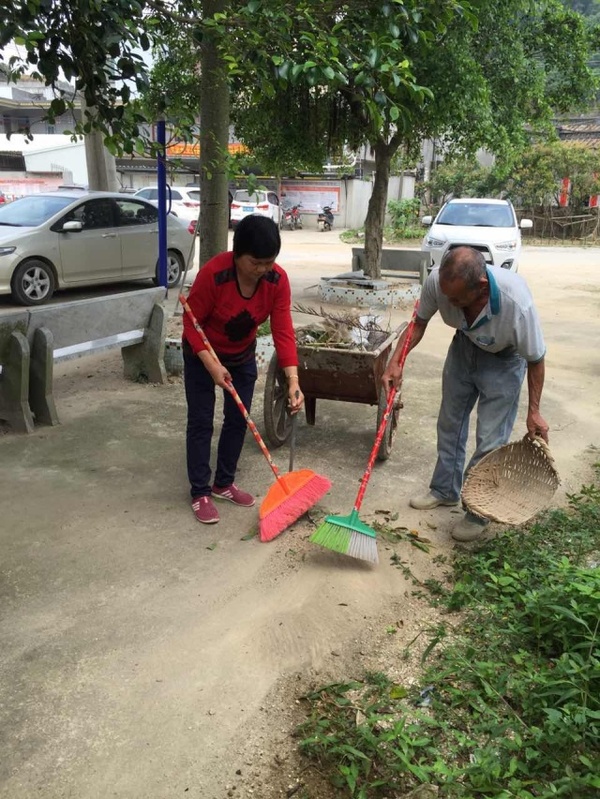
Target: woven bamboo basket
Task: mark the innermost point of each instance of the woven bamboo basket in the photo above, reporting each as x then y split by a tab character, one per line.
512	483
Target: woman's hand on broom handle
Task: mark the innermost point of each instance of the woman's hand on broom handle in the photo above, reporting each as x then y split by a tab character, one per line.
295	396
215	369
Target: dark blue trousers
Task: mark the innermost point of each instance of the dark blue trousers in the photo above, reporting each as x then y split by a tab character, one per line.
200	395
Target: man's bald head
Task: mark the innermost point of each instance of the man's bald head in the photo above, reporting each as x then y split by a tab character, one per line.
465	264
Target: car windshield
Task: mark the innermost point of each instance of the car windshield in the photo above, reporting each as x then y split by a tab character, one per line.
32	211
476	215
246	197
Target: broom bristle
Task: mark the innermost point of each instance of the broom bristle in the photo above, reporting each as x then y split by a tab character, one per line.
279	509
363	547
337	534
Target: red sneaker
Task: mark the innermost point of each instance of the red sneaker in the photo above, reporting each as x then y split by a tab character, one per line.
205	511
233	494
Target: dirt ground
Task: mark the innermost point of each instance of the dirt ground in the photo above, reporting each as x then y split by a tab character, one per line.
146	656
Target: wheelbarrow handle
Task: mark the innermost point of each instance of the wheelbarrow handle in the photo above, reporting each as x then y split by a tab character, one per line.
390	402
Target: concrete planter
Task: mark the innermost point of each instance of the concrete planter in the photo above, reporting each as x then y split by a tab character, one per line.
388	294
174	354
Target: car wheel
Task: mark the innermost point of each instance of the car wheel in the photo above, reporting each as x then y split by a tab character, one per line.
33	282
175	267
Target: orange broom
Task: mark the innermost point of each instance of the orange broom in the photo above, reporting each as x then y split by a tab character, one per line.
292	494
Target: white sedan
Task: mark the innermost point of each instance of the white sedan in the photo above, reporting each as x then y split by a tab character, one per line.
69	239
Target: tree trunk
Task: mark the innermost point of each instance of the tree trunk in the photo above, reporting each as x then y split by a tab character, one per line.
214	140
101	165
374	222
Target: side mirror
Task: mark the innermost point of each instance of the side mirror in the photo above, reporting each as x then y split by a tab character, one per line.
426	221
72	227
526	224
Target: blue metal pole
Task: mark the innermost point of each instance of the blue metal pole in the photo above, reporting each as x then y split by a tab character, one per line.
162	203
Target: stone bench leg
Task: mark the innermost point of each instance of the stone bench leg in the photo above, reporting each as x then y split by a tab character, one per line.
14	385
146	361
41	398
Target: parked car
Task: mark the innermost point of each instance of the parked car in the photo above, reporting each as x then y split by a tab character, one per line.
265	203
184	201
67	239
194	228
489	226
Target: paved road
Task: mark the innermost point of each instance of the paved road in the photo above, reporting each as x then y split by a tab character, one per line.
141	651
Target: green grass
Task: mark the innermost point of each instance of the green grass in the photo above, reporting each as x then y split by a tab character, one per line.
508	700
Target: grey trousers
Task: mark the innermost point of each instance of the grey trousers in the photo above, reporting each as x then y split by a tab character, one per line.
471	374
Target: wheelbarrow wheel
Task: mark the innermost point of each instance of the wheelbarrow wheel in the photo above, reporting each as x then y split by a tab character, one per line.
278	425
385	450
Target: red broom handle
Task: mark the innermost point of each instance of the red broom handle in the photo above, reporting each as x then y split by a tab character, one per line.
391	397
235	395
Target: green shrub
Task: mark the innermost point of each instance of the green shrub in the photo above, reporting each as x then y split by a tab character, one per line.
404	215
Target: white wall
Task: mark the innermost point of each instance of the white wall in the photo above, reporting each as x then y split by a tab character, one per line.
22	184
349	198
69	157
359	194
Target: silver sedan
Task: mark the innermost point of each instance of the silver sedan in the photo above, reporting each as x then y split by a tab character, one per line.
66	239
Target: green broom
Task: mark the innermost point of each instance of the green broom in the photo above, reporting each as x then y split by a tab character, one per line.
347	534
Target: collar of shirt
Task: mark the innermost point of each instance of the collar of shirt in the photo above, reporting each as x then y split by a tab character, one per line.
493	305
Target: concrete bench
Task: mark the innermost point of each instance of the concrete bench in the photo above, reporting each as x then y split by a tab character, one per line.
14	374
42	336
411	263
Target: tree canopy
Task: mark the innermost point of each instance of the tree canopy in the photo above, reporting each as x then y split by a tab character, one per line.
469	74
308	76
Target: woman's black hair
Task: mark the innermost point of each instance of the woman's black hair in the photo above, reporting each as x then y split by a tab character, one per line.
257	236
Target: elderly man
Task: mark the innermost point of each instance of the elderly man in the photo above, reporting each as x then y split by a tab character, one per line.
498	338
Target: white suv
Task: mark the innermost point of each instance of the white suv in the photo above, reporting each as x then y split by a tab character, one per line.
489	226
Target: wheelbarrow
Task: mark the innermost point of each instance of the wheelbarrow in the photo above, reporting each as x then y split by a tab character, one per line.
332	373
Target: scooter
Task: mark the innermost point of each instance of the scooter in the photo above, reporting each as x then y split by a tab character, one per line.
325	218
286	219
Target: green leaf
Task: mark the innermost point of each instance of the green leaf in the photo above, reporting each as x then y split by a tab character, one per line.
252	534
212	546
398	692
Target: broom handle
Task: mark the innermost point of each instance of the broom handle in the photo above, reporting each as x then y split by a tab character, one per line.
381	430
235	395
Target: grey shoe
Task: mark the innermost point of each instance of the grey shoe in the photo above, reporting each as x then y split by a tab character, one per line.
429	501
470	528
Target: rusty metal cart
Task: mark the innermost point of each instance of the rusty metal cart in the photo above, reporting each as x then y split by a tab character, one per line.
332	373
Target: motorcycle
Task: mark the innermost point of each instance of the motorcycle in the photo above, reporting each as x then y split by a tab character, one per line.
297	217
325	218
291	218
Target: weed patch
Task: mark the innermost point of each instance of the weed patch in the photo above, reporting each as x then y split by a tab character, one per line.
508	700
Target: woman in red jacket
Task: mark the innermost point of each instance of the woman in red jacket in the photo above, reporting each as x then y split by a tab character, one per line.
232	295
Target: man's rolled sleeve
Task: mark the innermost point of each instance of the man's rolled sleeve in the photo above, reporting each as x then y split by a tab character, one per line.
428	304
529	337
